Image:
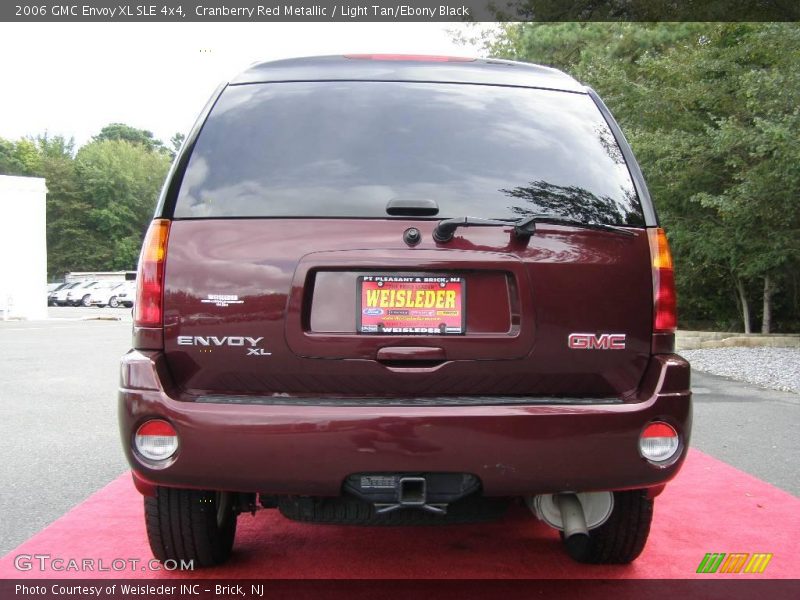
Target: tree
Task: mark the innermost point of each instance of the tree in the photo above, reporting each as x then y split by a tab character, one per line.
98	201
739	87
119	182
9	161
711	111
64	209
26	154
139	137
176	141
643	10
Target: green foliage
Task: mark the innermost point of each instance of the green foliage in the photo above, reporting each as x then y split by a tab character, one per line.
711	110
99	200
644	10
9	162
176	141
120	182
27	156
137	137
68	238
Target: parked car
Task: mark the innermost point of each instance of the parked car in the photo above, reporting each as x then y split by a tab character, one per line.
80	294
440	283
60	296
108	294
52	289
127	296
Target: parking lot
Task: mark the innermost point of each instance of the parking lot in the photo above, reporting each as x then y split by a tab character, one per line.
89	313
60	442
58	434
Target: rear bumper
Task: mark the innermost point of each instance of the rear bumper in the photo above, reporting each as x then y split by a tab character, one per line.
310	450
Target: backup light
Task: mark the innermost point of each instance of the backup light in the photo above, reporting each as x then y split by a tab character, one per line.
156	440
658	442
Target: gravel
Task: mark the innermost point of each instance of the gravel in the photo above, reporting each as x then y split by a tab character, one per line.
775	368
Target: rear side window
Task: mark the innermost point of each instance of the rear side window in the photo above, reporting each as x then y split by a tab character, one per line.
344	149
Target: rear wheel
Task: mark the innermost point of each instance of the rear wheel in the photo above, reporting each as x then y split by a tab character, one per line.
194	525
623	536
113	302
86	300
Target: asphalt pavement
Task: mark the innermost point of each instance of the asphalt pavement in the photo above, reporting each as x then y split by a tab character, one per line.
60	442
58	399
752	428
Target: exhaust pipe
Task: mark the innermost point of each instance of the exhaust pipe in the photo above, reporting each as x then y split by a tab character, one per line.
574	514
576	534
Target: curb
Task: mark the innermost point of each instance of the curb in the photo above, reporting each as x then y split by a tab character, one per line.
102	318
696	340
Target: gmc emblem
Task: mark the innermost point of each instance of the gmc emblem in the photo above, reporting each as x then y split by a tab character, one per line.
590	341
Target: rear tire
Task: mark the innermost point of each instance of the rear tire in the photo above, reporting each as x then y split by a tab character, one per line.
190	525
86	300
622	537
113	302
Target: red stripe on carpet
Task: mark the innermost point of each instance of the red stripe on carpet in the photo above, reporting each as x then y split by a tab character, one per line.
709	507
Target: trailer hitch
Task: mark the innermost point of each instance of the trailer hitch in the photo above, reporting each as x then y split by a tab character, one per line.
412	492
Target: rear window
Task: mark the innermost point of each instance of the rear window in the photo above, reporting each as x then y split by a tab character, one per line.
344	149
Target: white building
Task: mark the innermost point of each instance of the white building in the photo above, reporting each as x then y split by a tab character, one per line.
23	248
74	276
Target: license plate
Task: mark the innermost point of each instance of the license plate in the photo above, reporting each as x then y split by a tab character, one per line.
411	304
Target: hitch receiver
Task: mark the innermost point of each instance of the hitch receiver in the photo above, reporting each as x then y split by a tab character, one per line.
412	491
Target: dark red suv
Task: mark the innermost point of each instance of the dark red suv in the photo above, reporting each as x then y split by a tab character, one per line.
403	290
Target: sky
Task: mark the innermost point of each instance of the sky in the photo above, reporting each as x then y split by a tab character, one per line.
72	79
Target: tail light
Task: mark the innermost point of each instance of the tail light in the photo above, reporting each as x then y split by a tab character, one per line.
156	440
659	442
150	290
665	316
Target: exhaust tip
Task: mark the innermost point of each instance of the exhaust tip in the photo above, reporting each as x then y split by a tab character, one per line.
572	517
577	546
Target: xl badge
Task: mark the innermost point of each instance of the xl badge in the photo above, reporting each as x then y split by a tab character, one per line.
251	344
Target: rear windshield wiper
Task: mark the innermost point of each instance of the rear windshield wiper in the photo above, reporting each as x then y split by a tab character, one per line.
527	225
524	227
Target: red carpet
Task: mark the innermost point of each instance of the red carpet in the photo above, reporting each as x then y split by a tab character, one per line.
710	507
